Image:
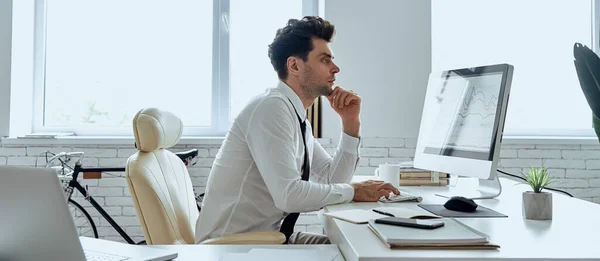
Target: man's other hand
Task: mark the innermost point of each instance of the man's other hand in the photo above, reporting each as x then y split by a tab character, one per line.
372	190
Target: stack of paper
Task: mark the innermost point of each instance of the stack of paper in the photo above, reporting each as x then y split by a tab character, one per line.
410	176
453	234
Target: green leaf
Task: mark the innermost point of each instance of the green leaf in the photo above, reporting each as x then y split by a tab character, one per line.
538	179
596	123
587	66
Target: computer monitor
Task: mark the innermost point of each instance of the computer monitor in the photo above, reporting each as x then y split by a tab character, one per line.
462	124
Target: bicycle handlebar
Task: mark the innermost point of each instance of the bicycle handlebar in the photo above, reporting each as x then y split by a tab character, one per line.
68	155
185	156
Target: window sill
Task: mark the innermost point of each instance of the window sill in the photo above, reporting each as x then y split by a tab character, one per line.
114	140
550	140
103	140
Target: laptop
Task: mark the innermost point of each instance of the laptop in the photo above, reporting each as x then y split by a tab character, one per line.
36	223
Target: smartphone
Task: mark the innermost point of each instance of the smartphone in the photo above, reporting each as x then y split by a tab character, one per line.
407	222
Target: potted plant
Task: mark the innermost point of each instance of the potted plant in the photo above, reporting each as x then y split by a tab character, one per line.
537	204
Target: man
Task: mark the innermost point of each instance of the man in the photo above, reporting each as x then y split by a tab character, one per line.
264	173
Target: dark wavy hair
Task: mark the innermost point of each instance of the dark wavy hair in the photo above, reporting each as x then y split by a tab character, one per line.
295	39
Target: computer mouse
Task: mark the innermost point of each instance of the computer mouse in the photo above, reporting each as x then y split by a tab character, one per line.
461	204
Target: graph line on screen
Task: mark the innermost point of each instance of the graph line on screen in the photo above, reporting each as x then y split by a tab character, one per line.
477	97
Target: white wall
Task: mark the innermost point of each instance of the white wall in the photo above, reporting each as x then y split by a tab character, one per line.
5	52
383	48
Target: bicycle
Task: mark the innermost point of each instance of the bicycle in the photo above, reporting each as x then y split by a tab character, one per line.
69	178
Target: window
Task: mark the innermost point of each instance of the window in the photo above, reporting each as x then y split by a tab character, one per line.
251	33
99	62
535	36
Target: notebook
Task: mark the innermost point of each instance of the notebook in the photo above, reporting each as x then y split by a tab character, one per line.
454	234
362	216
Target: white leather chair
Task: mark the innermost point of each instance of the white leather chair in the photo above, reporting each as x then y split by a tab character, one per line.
162	190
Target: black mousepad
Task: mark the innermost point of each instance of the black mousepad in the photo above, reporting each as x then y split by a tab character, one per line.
440	210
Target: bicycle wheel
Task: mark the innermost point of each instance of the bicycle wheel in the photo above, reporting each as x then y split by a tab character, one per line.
83	221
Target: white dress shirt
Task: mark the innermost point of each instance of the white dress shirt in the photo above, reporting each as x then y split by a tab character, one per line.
255	179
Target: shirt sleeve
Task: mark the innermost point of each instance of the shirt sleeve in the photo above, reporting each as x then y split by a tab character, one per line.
337	169
272	141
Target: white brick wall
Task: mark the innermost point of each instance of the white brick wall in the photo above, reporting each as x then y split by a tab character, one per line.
41	151
402	153
592	164
374	152
579	154
13	152
536	154
383	142
575	167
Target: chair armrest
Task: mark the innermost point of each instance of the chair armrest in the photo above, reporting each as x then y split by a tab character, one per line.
250	238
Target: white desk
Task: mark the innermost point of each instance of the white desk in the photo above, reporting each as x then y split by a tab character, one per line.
213	252
573	234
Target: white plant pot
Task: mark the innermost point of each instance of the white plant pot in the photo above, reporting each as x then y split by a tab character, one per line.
537	206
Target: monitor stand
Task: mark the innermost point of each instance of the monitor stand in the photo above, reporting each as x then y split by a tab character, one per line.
488	189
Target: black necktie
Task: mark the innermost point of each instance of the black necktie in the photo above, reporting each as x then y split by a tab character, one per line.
287	227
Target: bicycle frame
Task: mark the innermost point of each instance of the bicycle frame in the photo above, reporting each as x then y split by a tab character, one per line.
75	184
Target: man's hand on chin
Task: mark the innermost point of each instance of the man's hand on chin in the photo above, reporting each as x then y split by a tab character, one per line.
346	103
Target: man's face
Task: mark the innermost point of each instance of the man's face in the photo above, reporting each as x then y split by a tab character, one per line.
319	71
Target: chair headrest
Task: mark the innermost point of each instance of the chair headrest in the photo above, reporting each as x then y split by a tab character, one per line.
156	129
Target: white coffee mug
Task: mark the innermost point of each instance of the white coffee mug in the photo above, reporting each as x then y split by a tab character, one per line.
389	173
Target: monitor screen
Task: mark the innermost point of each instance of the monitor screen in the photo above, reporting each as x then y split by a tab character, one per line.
465	123
462	121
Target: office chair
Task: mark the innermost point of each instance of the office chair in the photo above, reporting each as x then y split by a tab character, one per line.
162	190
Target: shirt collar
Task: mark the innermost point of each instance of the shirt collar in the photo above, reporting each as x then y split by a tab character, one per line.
296	102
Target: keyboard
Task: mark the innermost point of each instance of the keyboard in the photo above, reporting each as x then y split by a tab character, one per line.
100	256
403	197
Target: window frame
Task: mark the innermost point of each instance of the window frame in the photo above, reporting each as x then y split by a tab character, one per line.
220	120
6	31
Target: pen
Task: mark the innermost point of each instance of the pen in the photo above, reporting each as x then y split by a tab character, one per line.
383	213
